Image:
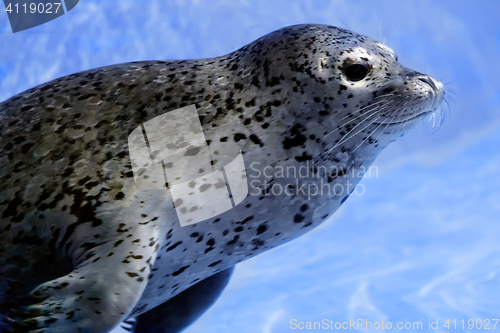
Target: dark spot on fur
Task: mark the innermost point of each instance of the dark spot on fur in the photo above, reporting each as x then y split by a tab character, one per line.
11	209
255	139
261	229
239	136
234	240
298	218
182	269
26	147
250	103
296	139
215	263
174	246
257	243
67	172
303	157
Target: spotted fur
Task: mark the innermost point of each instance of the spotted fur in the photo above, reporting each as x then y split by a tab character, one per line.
81	248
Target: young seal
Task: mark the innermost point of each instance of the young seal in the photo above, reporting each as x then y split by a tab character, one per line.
82	247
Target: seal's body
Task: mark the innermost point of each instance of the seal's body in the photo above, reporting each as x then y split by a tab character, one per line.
94	249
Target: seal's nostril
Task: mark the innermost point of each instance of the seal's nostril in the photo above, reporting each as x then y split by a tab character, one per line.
429	81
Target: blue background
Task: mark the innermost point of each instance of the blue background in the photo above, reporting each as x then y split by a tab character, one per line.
421	243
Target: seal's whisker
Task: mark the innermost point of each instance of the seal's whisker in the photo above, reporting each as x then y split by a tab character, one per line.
369	136
403	109
341	141
449	101
370	111
386	126
395	113
385	95
378	102
378	136
352	129
437	118
366	107
349	138
377	108
378	111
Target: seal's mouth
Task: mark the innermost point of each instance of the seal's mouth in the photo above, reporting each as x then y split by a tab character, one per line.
415	118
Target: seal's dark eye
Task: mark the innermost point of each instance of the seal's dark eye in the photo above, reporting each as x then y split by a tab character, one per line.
356	72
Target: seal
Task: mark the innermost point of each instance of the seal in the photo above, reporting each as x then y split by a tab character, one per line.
83	248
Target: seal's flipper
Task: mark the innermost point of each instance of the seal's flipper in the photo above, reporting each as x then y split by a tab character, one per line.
97	295
180	311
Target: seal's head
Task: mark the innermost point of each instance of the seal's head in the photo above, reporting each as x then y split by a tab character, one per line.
361	97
